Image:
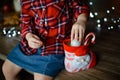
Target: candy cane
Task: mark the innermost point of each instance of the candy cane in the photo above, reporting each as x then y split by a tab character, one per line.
87	39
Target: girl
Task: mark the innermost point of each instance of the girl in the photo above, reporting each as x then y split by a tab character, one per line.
44	26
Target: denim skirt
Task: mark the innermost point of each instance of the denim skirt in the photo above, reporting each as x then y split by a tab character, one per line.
49	65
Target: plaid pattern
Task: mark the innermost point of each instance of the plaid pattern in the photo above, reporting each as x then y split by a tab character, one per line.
51	20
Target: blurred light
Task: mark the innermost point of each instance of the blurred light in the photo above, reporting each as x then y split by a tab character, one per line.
99	25
95	13
98	21
111	27
118	20
18	32
9	35
4	31
105	19
91	15
114	21
91	3
13	28
113	8
108	11
119	26
14	34
9	32
108	28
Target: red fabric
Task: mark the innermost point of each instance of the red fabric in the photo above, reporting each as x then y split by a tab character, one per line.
93	60
68	47
51	20
78	50
83	50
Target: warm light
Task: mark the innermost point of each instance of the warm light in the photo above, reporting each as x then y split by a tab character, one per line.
96	13
118	20
105	19
4	31
111	27
114	21
99	25
18	32
91	15
108	28
14	34
113	8
108	11
98	21
9	35
91	3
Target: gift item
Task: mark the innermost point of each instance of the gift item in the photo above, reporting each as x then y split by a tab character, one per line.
80	57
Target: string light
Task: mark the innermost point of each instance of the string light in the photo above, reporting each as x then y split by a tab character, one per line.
111	27
108	11
105	19
12	32
99	25
118	20
108	28
91	15
96	13
114	21
18	32
113	8
91	3
98	21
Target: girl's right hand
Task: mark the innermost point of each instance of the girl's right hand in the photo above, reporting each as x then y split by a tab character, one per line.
33	40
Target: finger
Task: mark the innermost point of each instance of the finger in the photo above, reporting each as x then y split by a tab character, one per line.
35	45
38	40
76	34
36	37
72	34
35	40
81	35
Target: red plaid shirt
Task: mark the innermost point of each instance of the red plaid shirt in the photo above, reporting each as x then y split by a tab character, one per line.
51	20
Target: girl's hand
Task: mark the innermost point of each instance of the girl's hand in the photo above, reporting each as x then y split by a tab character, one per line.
33	40
78	30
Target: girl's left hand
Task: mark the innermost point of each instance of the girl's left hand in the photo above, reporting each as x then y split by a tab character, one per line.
78	30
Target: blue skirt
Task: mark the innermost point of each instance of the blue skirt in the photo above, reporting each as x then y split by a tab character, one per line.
49	65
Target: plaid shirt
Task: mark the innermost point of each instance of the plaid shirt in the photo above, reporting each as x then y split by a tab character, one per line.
51	20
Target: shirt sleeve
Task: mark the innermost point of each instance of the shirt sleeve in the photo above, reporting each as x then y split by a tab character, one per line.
79	7
25	17
26	26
